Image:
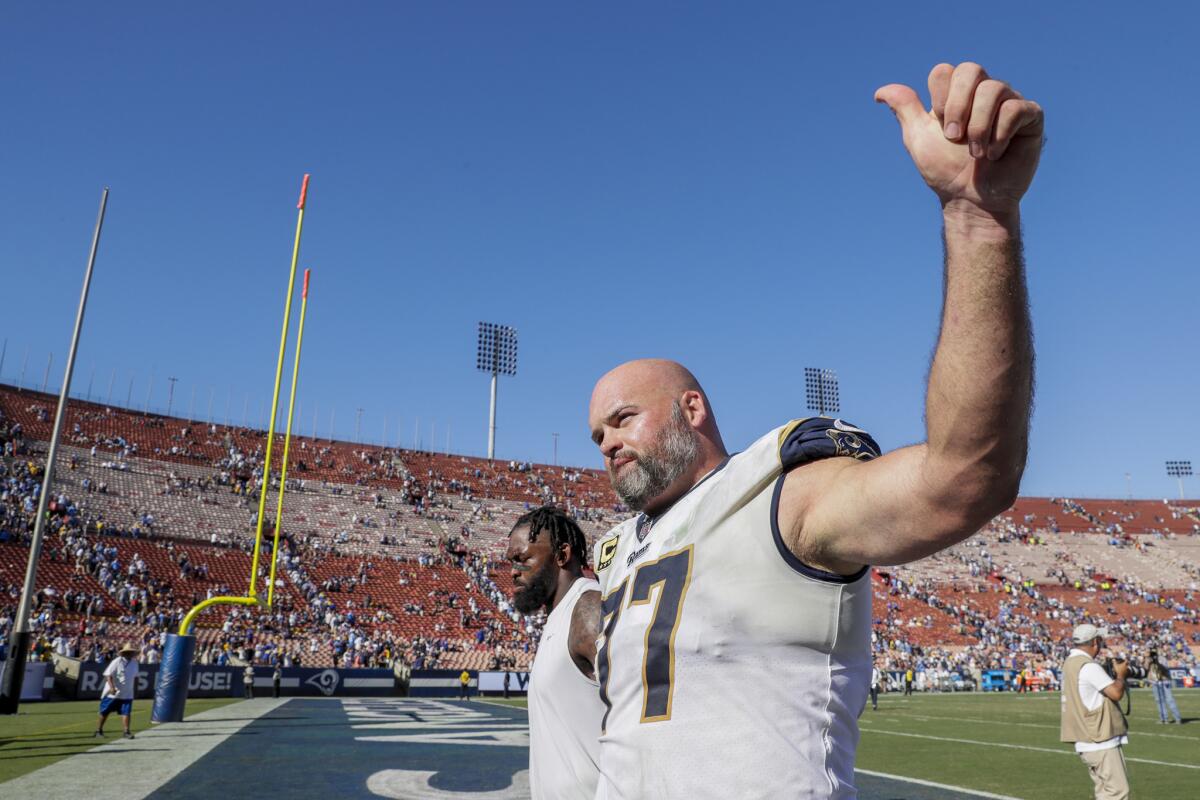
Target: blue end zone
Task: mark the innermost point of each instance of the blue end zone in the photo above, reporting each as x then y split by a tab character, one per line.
170	693
405	749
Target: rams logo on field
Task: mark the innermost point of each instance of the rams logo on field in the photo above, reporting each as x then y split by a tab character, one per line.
608	551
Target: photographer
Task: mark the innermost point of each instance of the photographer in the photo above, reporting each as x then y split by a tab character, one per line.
1091	717
1160	681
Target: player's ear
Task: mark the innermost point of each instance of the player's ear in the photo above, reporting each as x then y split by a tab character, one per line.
694	407
563	556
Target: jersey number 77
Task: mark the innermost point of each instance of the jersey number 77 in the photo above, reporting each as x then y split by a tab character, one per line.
670	573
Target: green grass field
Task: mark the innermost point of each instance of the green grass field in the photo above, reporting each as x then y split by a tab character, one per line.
46	732
1008	744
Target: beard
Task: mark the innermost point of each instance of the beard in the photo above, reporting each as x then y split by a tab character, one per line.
649	475
534	596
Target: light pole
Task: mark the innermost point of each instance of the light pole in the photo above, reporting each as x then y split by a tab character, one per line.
555	435
358	425
497	354
170	394
20	635
1179	470
821	390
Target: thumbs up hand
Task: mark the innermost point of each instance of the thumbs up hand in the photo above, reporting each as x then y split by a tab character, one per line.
978	144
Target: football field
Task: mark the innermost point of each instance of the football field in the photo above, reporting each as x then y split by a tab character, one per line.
924	747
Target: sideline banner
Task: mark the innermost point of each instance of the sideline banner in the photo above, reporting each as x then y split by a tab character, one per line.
312	682
518	682
208	680
205	680
439	682
39	680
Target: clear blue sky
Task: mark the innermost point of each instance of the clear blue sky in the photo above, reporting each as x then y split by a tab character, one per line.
706	182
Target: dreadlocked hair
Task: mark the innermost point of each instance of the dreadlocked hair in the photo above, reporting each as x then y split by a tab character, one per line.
563	529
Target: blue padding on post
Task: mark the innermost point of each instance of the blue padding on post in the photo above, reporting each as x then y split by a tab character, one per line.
170	693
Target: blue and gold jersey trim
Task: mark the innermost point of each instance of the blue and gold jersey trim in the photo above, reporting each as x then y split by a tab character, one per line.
815	438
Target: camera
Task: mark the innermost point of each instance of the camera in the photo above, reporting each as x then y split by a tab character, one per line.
1136	671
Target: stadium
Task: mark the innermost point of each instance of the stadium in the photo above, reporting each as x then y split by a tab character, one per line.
273	604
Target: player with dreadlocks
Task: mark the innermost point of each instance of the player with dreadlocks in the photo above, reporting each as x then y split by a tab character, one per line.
548	554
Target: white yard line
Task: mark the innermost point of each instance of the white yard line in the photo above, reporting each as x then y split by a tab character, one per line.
1025	725
130	769
868	729
959	789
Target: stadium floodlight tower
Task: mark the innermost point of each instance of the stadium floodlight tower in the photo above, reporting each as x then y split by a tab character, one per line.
1179	470
821	390
497	354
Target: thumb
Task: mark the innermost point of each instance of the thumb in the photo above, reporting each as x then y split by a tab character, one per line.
903	102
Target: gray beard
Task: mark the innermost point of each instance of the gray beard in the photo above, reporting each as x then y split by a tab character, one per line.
650	474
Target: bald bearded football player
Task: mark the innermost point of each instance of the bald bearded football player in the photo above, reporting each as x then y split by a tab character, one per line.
734	657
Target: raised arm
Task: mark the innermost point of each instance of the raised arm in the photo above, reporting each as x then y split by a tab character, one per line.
977	148
585	629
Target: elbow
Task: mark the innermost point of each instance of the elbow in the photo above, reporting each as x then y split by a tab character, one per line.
974	494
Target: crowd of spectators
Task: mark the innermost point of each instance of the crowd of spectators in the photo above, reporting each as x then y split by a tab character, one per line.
990	616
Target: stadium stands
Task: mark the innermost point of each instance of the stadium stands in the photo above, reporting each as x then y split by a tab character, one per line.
393	554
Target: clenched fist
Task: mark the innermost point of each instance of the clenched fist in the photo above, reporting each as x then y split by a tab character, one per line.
978	144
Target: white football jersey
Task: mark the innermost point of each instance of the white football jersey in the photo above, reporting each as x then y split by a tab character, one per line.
564	711
730	668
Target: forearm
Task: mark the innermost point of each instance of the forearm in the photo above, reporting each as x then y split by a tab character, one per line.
981	382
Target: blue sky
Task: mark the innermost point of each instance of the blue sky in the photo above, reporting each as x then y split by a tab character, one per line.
706	182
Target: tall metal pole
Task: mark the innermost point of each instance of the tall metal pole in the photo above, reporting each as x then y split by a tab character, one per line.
149	392
24	363
129	395
46	375
192	404
111	379
91	378
18	649
555	435
170	394
492	422
211	391
358	424
3	353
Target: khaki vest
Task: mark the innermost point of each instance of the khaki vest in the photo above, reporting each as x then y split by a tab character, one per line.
1078	723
